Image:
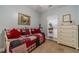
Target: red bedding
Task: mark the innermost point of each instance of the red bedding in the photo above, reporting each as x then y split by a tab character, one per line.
40	37
29	42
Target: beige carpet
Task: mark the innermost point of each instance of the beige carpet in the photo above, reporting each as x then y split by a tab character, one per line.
52	47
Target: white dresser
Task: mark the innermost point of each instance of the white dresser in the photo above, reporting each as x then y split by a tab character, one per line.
68	35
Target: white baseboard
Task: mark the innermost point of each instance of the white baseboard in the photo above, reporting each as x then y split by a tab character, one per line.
2	49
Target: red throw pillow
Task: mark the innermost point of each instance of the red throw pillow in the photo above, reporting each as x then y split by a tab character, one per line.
14	34
33	31
23	31
37	30
28	32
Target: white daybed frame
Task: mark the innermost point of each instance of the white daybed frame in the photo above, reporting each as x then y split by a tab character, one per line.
20	49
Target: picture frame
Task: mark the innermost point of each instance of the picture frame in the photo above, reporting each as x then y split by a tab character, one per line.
23	19
67	18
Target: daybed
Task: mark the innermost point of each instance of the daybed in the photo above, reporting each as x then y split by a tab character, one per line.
22	40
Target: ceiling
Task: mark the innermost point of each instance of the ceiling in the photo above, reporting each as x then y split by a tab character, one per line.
43	8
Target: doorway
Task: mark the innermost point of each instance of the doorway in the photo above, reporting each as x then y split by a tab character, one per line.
52	26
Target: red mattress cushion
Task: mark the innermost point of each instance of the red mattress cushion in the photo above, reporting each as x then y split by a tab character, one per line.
29	42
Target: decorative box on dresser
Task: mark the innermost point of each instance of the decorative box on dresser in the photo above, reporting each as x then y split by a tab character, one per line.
68	34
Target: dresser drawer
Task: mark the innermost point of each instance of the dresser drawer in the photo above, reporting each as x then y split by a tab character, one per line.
69	27
69	42
68	31
68	37
64	35
68	34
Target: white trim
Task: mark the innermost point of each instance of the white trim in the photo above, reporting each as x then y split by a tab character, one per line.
2	49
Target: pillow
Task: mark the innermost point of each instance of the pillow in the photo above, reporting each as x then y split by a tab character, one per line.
37	30
28	32
23	31
14	34
32	30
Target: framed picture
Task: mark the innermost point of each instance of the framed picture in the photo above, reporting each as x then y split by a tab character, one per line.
67	18
23	19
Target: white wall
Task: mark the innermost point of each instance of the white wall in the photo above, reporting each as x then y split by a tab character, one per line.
9	17
59	12
77	12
